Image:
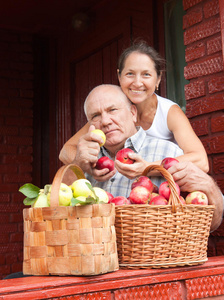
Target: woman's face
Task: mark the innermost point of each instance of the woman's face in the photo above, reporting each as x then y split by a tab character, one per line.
138	79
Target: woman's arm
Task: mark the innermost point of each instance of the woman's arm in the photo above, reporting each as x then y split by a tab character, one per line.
186	138
68	151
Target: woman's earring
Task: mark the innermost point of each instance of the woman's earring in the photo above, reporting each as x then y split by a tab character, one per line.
157	87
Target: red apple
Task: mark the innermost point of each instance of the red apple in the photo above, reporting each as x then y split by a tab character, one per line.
110	196
143	181
182	200
158	200
105	162
197	197
120	200
122	156
169	162
155	189
153	195
139	195
164	189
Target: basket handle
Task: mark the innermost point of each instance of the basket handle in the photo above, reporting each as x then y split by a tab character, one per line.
58	180
174	199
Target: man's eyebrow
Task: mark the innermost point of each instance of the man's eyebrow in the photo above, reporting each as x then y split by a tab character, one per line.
94	113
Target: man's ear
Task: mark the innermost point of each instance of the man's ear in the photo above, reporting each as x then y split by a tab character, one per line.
134	112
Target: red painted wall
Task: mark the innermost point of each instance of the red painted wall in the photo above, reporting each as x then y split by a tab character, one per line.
205	91
16	135
204	70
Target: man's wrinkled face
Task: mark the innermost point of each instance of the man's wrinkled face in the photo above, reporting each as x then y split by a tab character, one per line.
109	110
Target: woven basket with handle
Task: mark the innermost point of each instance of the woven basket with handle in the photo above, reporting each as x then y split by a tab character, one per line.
60	240
156	236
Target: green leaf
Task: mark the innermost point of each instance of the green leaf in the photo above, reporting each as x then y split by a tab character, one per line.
29	190
29	201
92	190
75	201
47	188
91	200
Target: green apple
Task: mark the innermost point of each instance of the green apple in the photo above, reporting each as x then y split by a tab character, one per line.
82	200
103	197
80	188
101	134
41	201
65	195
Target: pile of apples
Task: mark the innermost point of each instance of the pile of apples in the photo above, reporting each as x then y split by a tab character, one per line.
143	191
80	192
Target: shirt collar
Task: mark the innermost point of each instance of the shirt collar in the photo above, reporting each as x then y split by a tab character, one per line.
134	142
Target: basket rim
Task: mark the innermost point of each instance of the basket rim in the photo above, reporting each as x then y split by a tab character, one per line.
167	205
165	264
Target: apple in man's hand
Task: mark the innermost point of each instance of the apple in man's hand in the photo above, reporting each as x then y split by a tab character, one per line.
120	200
101	134
139	195
158	200
168	162
143	181
164	190
105	162
122	156
197	197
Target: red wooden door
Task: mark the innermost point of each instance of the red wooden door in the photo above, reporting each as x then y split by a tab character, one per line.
98	66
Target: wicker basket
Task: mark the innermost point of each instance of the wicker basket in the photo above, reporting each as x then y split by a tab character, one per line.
156	236
61	240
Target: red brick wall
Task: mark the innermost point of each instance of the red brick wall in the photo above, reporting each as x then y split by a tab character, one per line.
205	91
16	133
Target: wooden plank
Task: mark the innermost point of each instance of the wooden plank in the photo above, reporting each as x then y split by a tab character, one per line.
46	287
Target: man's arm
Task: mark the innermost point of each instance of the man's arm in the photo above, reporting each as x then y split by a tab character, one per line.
68	151
190	178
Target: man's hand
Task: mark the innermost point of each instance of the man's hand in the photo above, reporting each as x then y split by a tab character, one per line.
133	170
102	175
87	151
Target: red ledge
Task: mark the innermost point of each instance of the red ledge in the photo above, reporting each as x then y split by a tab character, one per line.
42	287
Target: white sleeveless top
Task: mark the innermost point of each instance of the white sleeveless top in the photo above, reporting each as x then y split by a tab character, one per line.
159	127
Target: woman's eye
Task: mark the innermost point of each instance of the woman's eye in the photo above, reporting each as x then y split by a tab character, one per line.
146	74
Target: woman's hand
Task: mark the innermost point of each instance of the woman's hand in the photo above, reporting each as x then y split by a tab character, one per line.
190	178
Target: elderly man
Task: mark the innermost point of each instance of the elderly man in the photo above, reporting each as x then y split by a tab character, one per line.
108	109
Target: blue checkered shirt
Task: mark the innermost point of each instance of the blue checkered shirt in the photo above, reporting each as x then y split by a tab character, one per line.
150	149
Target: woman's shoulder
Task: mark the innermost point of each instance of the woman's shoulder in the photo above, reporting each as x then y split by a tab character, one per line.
164	101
